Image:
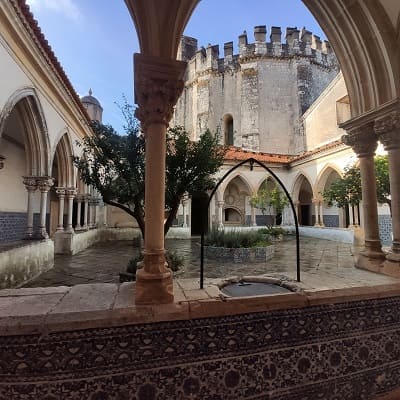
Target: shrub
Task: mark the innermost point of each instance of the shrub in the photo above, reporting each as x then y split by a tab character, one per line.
273	231
174	260
235	239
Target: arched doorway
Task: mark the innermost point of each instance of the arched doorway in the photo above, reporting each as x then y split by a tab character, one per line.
303	194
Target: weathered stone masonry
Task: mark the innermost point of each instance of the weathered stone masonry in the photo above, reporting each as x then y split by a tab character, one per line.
264	89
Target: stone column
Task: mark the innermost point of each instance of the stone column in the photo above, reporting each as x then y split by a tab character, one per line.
388	131
220	205
364	143
44	184
31	186
184	207
78	212
253	216
86	211
297	206
321	212
94	208
316	211
71	192
61	196
158	84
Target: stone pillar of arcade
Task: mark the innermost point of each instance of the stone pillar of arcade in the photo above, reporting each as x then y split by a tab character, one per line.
363	140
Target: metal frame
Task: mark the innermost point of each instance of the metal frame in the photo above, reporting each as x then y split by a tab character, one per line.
251	161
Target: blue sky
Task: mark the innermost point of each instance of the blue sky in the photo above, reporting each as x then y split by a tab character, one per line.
95	39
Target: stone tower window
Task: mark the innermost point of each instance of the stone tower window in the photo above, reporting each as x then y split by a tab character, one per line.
228	130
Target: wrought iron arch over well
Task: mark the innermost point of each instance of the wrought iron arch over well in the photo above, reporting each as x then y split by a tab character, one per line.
251	161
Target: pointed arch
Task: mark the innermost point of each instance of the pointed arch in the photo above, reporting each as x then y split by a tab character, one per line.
297	183
324	175
25	102
261	182
243	178
63	156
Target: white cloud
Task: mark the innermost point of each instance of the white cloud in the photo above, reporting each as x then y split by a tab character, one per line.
65	7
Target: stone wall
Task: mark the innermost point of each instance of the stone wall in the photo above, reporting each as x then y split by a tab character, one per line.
24	262
265	88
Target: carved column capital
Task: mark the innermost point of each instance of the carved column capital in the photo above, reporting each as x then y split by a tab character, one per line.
44	183
30	183
362	140
71	192
60	191
220	203
158	85
388	130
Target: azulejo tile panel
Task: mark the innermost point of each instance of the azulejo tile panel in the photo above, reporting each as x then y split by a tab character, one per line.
330	352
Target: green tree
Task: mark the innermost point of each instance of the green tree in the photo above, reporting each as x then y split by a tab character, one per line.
347	190
265	199
115	165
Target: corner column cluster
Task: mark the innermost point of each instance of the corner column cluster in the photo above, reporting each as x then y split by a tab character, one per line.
363	138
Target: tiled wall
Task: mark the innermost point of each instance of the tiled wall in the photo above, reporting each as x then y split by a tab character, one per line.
12	226
385	229
348	351
331	221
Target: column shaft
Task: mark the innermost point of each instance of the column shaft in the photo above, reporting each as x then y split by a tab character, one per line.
61	197
86	213
70	196
44	184
394	178
31	186
78	213
155	199
368	186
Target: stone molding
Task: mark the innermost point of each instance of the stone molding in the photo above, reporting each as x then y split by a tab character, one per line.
362	140
387	129
2	159
158	85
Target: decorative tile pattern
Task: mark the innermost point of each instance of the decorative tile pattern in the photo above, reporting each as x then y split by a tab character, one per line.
385	229
348	351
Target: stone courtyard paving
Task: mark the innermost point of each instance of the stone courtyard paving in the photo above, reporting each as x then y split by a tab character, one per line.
322	262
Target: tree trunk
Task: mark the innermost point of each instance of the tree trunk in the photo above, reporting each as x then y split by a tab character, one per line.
172	215
135	214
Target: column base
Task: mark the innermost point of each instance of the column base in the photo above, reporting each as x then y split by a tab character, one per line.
370	260
391	267
154	288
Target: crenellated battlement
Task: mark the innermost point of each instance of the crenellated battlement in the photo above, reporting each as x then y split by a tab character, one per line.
300	43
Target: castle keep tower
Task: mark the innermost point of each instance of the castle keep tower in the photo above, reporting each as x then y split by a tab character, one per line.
256	97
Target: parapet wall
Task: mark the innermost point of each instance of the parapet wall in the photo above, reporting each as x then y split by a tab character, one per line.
300	43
